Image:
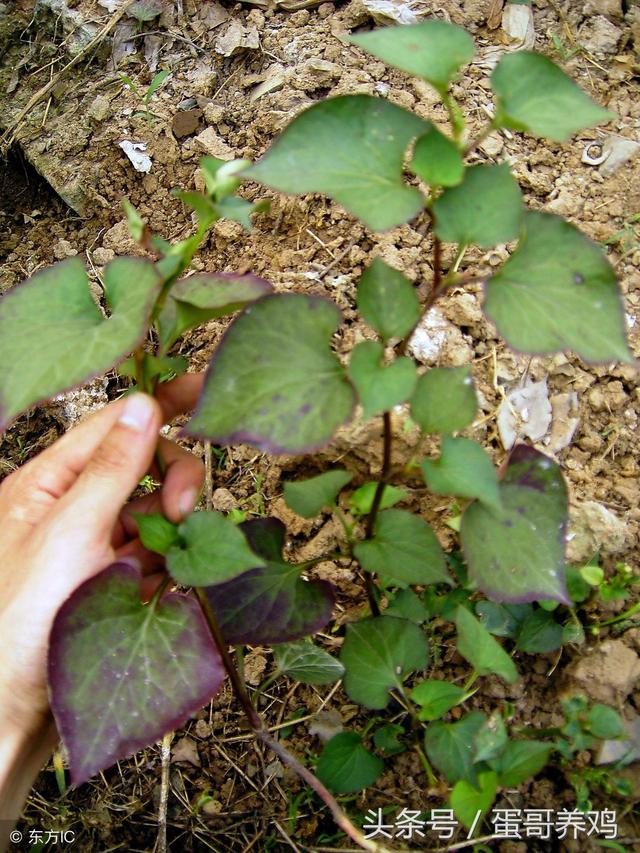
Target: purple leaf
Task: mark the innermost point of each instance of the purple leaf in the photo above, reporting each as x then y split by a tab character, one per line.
123	673
272	604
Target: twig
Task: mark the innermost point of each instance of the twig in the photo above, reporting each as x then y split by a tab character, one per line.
9	136
208	476
165	753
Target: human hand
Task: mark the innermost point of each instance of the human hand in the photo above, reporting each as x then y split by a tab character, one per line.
63	519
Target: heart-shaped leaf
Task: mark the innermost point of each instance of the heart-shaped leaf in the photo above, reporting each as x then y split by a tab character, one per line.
273	382
520	760
484	210
464	469
471	803
433	50
156	532
444	400
309	497
558	292
377	655
361	501
272	604
380	387
194	300
535	96
346	766
210	549
387	300
436	698
450	747
53	336
437	160
481	649
123	673
351	148
517	555
307	663
539	633
404	550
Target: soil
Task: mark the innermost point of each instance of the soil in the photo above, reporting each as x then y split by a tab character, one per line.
239	74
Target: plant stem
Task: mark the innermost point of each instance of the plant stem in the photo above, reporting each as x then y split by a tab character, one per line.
375	506
433	782
236	682
260	731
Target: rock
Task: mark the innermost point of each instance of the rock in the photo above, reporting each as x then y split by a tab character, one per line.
186	751
63	249
237	38
617	150
564	420
628	748
517	24
101	257
437	341
211	143
390	11
493	144
316	74
606	674
566	203
326	724
594	528
223	501
186	122
524	412
610	8
72	406
100	108
119	239
255	664
213	113
599	35
274	79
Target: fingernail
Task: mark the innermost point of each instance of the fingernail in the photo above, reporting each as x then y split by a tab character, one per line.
137	413
187	501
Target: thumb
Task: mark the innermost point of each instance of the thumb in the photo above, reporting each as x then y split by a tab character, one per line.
115	468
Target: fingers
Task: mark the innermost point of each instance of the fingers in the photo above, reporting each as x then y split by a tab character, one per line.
180	395
183	480
114	469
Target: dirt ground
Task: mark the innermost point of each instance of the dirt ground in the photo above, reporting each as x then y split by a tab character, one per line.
239	73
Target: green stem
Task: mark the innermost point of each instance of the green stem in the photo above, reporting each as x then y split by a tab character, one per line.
348	528
456	118
622	616
470	681
426	766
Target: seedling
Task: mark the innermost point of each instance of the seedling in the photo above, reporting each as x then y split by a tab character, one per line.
145	98
275	383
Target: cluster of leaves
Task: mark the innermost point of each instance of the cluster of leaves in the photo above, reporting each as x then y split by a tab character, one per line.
275	383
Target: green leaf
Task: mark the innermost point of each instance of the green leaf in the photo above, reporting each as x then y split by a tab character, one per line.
503	620
346	766
518	555
122	673
155	84
309	497
350	148
558	292
273	382
211	549
380	387
436	698
307	663
450	747
520	760
387	300
464	469
404	549
160	368
484	210
437	160
433	50
361	500
578	588
53	336
387	739
491	739
604	722
407	605
470	804
484	652
156	532
195	300
135	222
444	400
535	96
377	654
539	633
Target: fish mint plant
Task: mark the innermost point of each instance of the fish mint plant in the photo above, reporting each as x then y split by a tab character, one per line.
122	673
